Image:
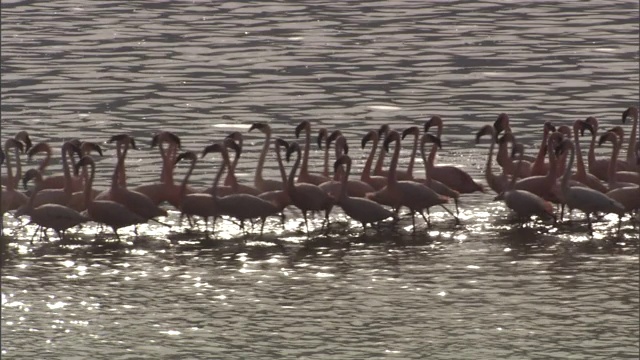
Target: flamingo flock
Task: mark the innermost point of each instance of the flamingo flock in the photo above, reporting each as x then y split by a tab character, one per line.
529	186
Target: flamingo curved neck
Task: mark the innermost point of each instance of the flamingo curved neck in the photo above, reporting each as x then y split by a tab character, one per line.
580	169
65	169
89	185
263	156
564	184
631	151
366	172
307	146
283	173
10	179
291	189
392	178
185	181
543	149
412	159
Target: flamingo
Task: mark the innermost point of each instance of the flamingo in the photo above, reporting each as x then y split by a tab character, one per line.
23	137
279	198
413	195
11	199
497	183
376	181
305	177
61	196
305	196
55	181
122	141
166	189
377	171
132	200
240	206
584	199
581	174
539	167
455	178
231	179
110	213
524	203
259	182
49	216
543	185
502	124
632	158
618	179
436	186
355	188
77	198
507	162
598	167
198	204
360	209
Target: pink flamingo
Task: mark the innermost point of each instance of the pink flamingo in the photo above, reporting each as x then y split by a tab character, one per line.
618	179
455	178
11	199
436	186
305	176
543	185
279	198
231	179
632	158
107	212
581	174
360	209
497	183
598	167
58	196
524	203
49	216
240	206
306	196
413	195
585	199
23	137
198	204
376	181
507	162
259	182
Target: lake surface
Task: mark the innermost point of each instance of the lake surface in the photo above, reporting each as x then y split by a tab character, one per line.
485	289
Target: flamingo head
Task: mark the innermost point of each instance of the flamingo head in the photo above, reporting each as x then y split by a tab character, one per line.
123	139
391	136
383	131
507	138
563	146
38	148
281	143
304	125
14	144
216	147
501	123
230	143
30	174
341	142
24	137
499	197
88	146
631	111
548	127
554	139
593	122
410	130
485	130
581	125
613	135
322	135
166	136
370	135
342	160
334	135
189	155
430	138
236	136
434	121
84	161
263	127
565	130
293	147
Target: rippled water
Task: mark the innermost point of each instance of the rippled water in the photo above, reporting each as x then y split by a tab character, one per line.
484	289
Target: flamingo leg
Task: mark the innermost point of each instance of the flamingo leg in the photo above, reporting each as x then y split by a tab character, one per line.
451	213
283	219
306	224
264	219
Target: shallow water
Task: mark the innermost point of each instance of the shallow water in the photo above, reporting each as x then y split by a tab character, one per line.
484	289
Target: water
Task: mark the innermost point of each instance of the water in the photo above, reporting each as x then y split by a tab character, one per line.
485	289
